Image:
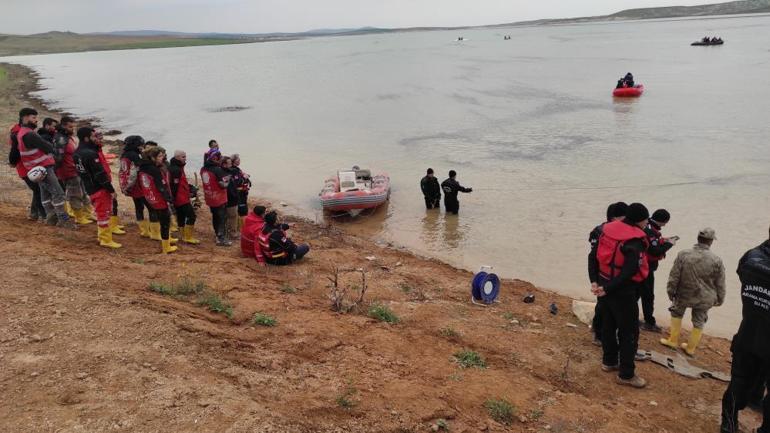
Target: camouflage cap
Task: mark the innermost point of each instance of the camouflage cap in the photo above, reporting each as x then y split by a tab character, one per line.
708	233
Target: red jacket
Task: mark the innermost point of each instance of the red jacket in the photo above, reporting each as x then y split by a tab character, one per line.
20	170
65	169
252	227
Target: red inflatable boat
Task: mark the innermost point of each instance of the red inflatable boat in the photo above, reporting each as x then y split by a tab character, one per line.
628	92
354	190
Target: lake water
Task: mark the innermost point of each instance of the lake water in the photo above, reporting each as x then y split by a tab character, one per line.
528	123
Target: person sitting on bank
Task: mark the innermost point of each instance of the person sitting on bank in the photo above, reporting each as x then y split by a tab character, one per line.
696	281
276	246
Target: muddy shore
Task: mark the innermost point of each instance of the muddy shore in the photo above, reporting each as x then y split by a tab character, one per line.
130	340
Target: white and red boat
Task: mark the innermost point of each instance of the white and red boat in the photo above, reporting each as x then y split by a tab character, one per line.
355	190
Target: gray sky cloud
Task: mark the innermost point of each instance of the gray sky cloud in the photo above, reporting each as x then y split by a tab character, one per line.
263	16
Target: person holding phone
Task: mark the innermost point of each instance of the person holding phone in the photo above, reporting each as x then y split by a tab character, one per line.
656	252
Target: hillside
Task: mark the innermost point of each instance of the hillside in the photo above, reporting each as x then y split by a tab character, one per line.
729	8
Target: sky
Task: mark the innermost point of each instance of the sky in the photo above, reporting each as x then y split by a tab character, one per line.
266	16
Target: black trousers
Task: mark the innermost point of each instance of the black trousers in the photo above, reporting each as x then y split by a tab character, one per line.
243	203
451	205
139	208
620	314
432	202
747	369
114	207
185	215
218	219
647	295
36	206
164	218
596	324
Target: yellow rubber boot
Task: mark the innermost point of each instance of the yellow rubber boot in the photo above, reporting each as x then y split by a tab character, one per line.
88	210
104	234
70	211
166	247
115	227
673	340
174	227
80	216
155	231
695	335
144	228
187	232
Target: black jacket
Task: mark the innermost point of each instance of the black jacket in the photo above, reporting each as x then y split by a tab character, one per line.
91	171
59	140
430	187
47	136
175	171
658	247
593	265
451	187
279	242
157	176
236	180
754	333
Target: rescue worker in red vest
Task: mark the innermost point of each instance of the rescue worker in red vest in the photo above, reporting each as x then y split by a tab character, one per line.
35	151
64	143
96	180
129	173
656	252
751	345
696	281
180	191
36	210
156	193
115	226
154	217
243	185
250	231
276	246
215	182
622	262
615	212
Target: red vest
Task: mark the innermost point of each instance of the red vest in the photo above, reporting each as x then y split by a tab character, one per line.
105	164
33	157
66	169
20	170
215	195
124	173
183	190
151	192
264	245
252	227
609	255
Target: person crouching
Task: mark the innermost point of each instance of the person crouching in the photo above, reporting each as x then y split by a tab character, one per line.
156	192
276	246
96	181
250	231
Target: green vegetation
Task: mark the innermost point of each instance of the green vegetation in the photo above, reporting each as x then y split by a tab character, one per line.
406	288
3	75
161	289
345	400
469	358
261	319
286	288
449	332
442	424
383	314
216	304
508	316
500	410
187	288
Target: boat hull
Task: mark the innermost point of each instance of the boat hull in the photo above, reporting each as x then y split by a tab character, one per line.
628	92
336	201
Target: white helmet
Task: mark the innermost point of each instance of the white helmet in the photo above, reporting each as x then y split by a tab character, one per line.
37	174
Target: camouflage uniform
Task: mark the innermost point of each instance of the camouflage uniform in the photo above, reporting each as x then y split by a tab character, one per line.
697	281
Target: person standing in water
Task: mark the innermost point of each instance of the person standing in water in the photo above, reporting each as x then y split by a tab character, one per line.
431	190
451	188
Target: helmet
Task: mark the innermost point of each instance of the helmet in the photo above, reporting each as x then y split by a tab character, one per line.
37	174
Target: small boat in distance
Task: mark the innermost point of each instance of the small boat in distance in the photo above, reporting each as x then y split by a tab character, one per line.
628	92
707	42
354	190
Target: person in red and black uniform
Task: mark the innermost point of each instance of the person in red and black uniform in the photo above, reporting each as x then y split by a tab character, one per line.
231	212
30	150
276	246
94	171
64	143
36	209
751	345
659	246
250	231
133	146
156	192
180	191
215	181
615	212
242	186
621	258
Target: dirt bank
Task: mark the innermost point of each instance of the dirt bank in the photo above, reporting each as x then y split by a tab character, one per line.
87	346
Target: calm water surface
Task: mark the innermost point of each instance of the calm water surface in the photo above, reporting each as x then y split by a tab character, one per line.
528	123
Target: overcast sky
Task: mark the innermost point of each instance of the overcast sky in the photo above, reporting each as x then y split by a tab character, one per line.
264	16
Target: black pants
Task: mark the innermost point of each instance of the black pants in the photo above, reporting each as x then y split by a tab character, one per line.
647	294
185	215
596	324
432	202
36	206
139	208
164	218
451	205
747	369
114	207
620	314
243	203
218	219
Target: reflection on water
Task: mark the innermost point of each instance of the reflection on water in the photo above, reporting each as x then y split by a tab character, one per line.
531	125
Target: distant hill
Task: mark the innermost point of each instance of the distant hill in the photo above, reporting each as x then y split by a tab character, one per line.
729	8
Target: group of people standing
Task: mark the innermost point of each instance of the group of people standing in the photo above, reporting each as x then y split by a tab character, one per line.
431	191
624	255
